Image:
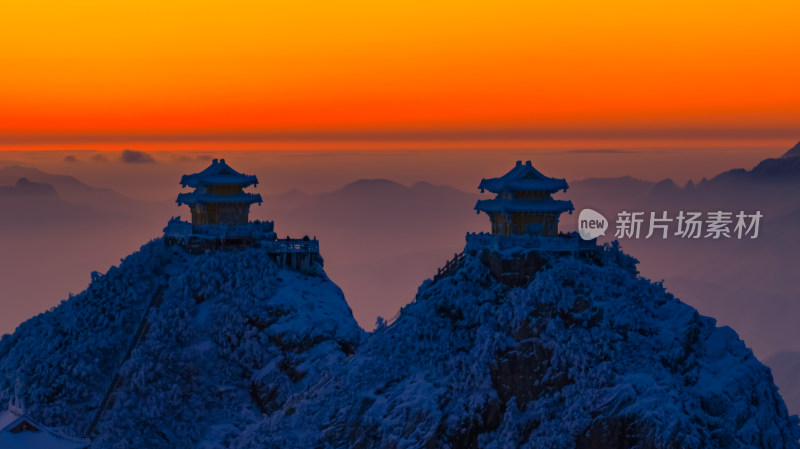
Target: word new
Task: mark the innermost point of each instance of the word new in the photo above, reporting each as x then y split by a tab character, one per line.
591	224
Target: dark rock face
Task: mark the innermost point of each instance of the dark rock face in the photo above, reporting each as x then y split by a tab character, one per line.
615	433
520	374
513	271
466	434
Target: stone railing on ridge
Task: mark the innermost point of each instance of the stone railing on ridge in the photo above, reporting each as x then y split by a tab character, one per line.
562	243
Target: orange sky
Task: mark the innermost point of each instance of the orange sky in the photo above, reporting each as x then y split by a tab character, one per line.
144	69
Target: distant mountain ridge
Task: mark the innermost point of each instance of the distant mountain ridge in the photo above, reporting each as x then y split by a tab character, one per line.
69	187
785	168
793	152
24	187
371	187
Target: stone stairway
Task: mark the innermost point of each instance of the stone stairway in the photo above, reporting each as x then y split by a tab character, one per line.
141	332
450	267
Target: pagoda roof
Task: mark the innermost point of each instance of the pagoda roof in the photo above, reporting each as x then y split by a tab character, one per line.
204	197
523	178
41	437
509	205
218	173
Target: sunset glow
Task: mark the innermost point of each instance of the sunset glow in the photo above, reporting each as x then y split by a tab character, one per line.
298	69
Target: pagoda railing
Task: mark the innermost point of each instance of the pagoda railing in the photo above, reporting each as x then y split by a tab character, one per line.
561	243
179	229
291	246
260	233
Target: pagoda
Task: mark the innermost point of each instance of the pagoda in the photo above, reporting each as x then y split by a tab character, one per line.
525	234
219	197
523	205
220	210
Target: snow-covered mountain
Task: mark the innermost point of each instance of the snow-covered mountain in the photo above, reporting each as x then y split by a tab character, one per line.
232	338
588	355
240	353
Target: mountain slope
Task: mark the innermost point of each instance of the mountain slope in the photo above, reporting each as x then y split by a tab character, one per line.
793	152
585	356
238	353
233	337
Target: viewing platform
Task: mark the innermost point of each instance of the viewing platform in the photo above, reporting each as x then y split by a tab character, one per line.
256	234
183	232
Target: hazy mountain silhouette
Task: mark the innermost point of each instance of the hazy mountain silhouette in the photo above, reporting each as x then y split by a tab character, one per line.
73	190
793	152
786	372
55	230
37	206
379	237
769	171
599	192
25	188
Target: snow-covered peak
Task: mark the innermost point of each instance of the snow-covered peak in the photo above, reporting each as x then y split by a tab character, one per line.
229	336
587	355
